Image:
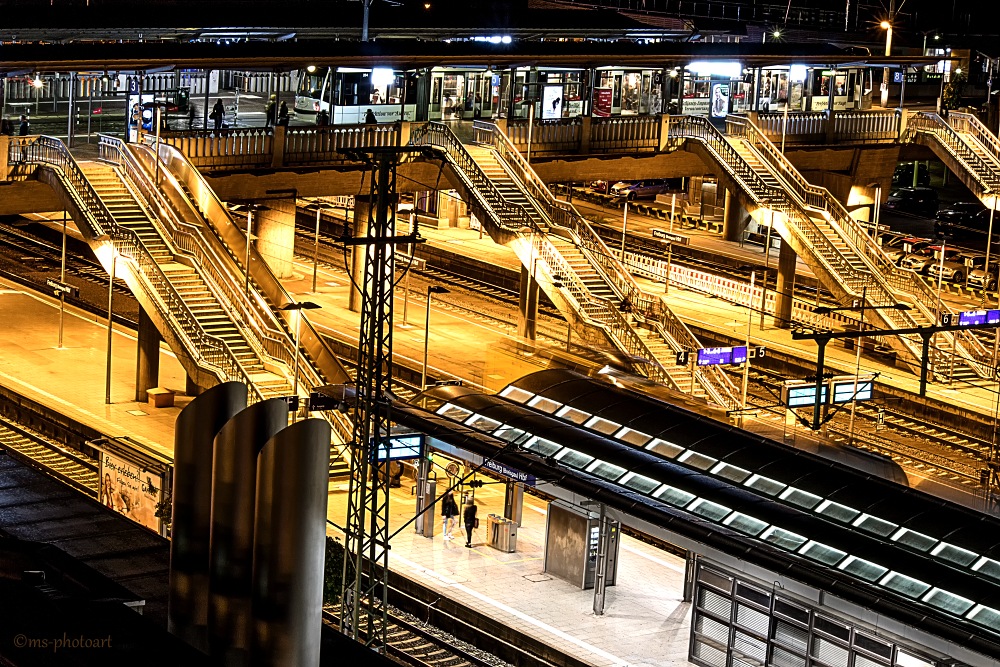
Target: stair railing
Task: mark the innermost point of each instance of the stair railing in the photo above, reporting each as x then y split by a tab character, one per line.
984	179
969	124
97	220
897	279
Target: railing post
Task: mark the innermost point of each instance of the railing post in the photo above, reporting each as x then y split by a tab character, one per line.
586	123
278	146
664	132
900	124
404	132
831	130
4	156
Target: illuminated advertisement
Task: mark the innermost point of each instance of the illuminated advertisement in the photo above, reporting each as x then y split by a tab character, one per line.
128	490
720	100
552	101
602	102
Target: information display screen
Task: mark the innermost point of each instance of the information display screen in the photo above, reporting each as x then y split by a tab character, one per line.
800	397
716	356
975	317
397	447
844	390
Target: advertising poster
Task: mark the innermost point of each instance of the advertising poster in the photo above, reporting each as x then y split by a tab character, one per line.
552	102
128	490
602	102
720	100
696	106
574	108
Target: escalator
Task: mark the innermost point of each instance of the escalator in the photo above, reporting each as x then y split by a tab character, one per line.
572	265
178	270
847	261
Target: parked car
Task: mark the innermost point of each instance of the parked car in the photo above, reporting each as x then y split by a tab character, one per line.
964	218
644	189
600	186
957	269
899	247
983	279
903	175
920	201
922	260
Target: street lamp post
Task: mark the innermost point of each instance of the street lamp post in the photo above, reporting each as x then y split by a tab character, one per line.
431	290
887	26
298	307
989	243
111	294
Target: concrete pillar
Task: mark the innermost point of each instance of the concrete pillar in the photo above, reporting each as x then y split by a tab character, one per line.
191	387
785	286
585	125
194	435
234	492
276	235
147	360
362	209
732	215
527	306
289	540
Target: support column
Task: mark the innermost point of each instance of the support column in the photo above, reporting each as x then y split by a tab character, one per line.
513	503
785	286
527	306
362	209
147	360
276	235
731	218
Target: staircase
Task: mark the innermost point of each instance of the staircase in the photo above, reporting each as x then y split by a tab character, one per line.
575	269
210	314
829	240
965	146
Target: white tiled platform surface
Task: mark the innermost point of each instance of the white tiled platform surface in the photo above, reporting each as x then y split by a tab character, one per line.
645	623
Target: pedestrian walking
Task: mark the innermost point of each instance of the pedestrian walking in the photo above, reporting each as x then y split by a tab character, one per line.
283	114
471	522
271	111
449	514
24	129
218	114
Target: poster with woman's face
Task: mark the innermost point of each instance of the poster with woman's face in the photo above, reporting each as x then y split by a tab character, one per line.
720	100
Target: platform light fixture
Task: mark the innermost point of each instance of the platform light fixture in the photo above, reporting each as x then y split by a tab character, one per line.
311	69
298	307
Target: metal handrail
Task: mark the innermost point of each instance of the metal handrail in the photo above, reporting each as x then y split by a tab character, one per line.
213	352
563	214
964	122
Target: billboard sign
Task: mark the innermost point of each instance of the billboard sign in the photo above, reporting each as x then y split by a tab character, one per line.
602	102
127	489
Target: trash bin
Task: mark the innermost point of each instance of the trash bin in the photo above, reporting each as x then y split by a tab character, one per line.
501	533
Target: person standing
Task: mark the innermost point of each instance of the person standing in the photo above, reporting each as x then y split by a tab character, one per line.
271	110
370	118
283	114
449	512
218	114
24	129
471	522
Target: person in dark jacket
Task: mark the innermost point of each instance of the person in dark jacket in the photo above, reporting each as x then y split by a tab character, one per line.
271	111
370	117
469	516
283	114
449	514
24	129
218	114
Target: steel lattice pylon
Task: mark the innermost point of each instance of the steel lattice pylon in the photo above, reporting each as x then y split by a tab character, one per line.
366	557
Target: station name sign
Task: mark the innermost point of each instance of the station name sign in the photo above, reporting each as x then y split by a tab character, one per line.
507	471
718	356
664	235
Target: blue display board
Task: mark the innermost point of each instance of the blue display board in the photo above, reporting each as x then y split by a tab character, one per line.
716	356
975	317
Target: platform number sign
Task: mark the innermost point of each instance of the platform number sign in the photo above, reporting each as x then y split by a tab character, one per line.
880	419
682	358
946	319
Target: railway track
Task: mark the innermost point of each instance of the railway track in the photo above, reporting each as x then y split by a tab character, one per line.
411	644
66	465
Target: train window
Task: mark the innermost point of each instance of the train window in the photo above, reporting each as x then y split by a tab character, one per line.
637	438
783	539
602	425
989	567
985	616
912	538
873	524
516	394
710	510
606	470
542	446
730	472
696	460
573	415
837	511
573	458
674	496
822	553
664	448
745	524
640	483
953	553
765	484
860	567
544	404
452	411
800	498
896	581
949	602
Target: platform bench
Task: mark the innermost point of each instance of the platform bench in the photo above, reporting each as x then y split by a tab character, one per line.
160	397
